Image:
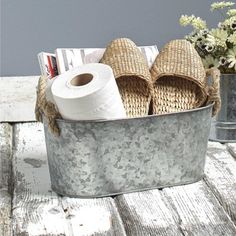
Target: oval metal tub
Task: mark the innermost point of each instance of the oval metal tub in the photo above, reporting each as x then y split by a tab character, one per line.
103	158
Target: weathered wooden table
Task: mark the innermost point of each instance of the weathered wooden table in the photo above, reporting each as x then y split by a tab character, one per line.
28	206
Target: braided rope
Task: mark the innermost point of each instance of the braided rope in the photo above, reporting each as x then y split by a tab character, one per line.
46	108
214	90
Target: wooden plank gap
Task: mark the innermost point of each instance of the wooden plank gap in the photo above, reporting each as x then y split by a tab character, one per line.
98	216
5	177
146	213
231	147
198	210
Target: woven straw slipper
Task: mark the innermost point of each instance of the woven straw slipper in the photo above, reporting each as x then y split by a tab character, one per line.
179	79
132	75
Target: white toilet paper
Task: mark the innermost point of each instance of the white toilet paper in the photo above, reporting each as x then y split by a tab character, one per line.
88	92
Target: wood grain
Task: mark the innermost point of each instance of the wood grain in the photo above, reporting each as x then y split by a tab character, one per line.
198	210
6	154
93	216
5	175
145	213
220	174
232	149
36	209
19	98
5	213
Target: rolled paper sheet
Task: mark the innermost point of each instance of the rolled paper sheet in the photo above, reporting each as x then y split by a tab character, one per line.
88	92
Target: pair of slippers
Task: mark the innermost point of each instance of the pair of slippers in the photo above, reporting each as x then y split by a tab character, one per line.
177	80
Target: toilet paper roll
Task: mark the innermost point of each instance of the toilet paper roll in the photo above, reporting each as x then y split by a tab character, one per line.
88	92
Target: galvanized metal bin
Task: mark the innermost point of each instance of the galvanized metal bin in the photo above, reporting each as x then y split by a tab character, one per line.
223	127
103	158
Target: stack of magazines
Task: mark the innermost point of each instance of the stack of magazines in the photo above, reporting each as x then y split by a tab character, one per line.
65	59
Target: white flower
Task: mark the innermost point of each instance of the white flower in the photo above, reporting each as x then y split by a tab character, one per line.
210	61
218	37
233	25
229	21
219	34
204	32
223	61
232	38
186	20
196	22
222	26
194	37
231	58
209	48
231	12
221	5
201	45
211	39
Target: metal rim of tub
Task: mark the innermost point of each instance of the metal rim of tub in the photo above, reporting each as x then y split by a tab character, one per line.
136	118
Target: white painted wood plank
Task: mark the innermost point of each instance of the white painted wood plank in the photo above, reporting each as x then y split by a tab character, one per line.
5	174
93	217
198	210
5	213
39	211
220	171
17	98
5	154
36	209
232	149
145	213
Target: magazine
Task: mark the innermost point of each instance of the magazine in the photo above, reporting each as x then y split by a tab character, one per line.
68	58
48	64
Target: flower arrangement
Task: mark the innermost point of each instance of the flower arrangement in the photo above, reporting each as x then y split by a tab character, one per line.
217	46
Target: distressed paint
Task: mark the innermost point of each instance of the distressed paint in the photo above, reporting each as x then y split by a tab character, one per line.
199	212
93	216
220	174
18	101
5	213
145	213
5	175
36	209
6	154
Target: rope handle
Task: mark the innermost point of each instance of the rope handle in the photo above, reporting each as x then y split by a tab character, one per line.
214	90
46	108
41	87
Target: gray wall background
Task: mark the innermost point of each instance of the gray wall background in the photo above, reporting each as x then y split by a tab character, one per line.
32	26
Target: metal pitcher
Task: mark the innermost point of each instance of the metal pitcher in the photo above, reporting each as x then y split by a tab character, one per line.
223	127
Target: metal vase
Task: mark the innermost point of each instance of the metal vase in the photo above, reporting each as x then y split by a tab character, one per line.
223	127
